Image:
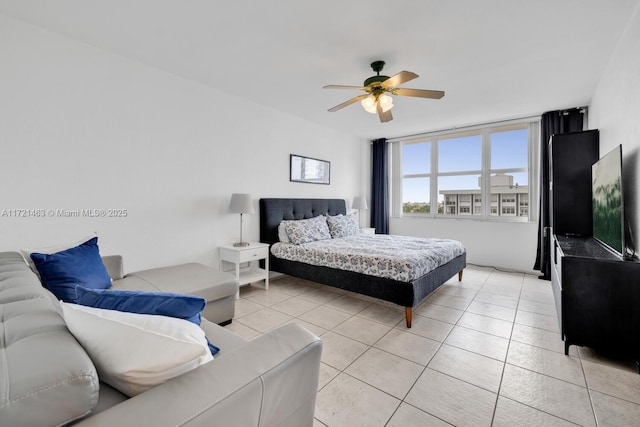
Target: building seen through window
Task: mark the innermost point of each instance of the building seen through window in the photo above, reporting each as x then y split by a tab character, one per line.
507	199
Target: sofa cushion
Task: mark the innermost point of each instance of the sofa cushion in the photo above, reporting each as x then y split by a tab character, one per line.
46	378
62	271
180	306
135	352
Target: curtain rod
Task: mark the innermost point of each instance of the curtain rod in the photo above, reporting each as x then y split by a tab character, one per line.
463	128
582	110
476	125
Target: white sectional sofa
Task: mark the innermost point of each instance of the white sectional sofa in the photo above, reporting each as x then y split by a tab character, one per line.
48	379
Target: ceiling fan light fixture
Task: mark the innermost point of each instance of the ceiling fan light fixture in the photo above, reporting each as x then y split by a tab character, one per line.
386	102
369	104
377	99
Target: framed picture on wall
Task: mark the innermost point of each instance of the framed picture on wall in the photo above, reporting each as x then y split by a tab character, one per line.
307	169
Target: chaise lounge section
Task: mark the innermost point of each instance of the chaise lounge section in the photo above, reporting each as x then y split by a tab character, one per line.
216	287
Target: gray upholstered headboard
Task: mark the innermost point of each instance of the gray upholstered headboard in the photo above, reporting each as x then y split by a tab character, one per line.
273	211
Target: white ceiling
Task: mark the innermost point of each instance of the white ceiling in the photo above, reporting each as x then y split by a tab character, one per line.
495	59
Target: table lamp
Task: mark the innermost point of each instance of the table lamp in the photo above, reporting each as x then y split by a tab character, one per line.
241	203
359	202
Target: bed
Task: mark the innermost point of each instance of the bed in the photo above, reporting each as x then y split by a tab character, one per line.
405	293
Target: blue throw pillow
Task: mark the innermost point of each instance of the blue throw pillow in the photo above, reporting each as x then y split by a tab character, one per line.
181	306
62	271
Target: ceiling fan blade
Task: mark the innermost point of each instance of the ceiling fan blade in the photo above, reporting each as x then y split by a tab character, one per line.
398	79
349	102
420	93
342	87
384	116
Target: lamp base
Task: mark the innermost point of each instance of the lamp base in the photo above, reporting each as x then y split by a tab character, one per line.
241	244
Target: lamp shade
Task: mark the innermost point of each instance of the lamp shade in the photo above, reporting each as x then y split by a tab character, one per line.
360	202
241	203
369	104
386	102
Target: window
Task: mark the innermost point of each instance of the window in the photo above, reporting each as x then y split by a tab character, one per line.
508	210
415	181
509	166
459	167
448	174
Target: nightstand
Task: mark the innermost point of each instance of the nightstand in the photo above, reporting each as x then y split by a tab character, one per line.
368	230
248	273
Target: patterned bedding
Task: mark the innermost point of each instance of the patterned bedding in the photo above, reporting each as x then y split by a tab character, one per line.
401	258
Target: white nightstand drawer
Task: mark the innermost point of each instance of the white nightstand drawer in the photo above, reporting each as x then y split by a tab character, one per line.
241	254
251	254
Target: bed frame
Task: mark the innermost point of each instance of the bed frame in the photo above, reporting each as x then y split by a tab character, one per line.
407	294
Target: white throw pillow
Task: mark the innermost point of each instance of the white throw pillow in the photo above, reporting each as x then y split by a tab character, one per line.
282	233
135	352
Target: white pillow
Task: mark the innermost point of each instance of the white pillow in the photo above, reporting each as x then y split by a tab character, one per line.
282	233
135	352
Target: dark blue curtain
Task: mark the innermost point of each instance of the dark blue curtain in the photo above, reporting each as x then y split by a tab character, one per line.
380	186
552	122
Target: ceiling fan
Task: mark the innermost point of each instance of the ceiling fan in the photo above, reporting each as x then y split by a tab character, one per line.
377	88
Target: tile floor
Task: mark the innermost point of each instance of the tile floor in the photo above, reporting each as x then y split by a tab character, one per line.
484	351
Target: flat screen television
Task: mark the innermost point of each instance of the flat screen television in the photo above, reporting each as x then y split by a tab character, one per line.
607	203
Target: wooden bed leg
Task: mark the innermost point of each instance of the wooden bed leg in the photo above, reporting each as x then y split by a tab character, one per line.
408	312
460	275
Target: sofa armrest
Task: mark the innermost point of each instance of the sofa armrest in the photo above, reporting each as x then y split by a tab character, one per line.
270	381
114	265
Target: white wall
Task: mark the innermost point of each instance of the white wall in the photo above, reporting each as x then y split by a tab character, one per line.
506	245
81	128
615	110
